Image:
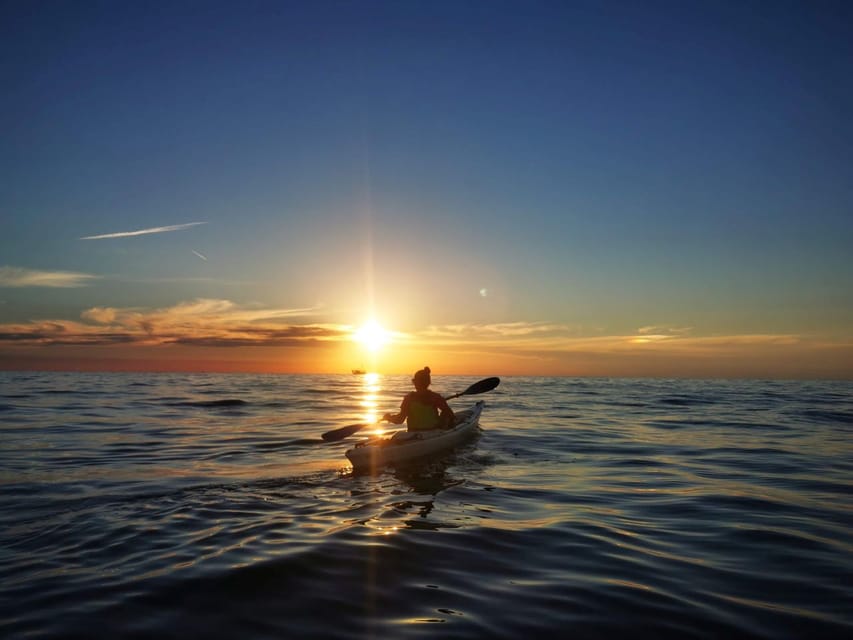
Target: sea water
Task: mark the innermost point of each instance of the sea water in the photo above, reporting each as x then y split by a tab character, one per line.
165	505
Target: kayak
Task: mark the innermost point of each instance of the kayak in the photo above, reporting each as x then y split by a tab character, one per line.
375	453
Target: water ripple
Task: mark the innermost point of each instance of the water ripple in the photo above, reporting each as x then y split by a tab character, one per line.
207	505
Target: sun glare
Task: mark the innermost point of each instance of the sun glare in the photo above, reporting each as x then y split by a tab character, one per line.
372	336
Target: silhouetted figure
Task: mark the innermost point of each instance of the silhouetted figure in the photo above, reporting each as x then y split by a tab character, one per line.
423	409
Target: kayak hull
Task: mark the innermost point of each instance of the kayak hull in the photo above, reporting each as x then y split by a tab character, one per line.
375	453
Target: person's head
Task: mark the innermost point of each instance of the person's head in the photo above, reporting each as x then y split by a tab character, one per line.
421	379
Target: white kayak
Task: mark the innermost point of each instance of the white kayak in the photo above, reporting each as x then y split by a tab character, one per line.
375	453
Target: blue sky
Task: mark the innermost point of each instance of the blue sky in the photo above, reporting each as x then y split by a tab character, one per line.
601	166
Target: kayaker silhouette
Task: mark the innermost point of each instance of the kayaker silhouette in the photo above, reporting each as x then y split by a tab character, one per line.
423	409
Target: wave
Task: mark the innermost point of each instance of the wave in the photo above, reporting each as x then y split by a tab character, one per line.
826	416
169	512
225	402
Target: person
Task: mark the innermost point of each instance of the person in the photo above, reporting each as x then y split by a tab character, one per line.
423	409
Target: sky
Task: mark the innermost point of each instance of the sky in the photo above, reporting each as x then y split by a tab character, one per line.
597	188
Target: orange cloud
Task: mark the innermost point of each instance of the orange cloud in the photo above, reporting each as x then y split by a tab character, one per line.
543	336
264	339
548	349
21	277
205	322
501	331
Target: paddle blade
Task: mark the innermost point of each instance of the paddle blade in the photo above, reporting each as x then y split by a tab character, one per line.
479	387
343	432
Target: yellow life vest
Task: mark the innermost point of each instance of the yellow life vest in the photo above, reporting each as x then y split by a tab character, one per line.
421	416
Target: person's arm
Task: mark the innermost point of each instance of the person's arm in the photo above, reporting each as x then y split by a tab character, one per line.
398	418
446	416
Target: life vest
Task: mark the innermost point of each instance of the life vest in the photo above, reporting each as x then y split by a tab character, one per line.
422	416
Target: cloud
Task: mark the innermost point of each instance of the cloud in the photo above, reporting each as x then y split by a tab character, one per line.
266	336
142	232
20	277
100	315
543	339
531	347
201	322
663	330
499	330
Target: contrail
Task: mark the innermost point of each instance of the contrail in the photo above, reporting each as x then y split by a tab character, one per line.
198	254
142	232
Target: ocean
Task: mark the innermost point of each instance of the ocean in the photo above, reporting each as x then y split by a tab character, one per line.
206	506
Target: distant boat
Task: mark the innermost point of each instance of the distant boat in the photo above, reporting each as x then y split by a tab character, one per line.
359	372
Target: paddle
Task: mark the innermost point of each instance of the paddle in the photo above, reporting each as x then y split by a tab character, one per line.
478	387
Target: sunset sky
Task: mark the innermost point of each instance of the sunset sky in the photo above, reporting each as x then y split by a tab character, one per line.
546	188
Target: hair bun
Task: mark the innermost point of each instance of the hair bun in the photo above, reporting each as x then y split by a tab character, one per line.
427	370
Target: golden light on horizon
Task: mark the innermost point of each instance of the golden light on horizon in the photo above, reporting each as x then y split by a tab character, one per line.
372	336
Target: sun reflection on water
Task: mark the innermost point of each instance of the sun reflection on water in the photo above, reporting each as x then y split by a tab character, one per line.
370	401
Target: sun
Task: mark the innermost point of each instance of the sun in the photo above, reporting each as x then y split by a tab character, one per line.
372	336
